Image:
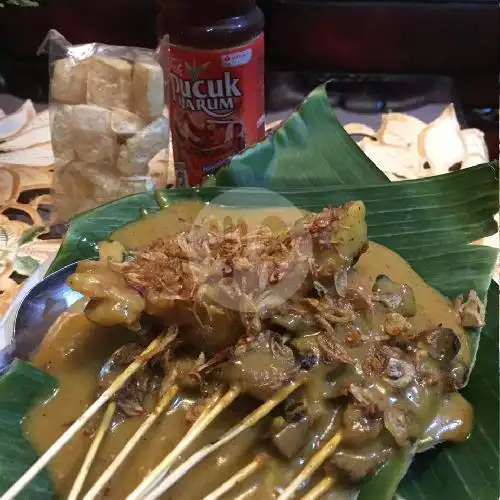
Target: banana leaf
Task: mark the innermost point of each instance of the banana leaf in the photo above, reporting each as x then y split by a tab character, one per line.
310	146
311	162
21	388
400	215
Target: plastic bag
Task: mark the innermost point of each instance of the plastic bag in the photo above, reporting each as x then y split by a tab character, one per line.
108	121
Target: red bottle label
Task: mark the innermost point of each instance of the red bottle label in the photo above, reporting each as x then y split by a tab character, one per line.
216	105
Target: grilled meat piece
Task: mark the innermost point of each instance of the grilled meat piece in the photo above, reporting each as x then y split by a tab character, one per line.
472	312
131	398
113	302
216	284
290	437
359	462
398	298
360	428
261	367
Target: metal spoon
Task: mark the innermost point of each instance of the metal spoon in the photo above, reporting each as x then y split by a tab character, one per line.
43	304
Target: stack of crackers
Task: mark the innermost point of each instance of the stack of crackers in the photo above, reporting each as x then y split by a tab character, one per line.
108	123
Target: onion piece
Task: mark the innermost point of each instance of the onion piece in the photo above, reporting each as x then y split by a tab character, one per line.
37	156
397	162
399	129
475	143
473	160
12	124
444	130
28	139
42	119
360	129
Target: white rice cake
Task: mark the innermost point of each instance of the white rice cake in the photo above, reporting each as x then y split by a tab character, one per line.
92	137
125	124
148	90
69	81
109	82
135	154
61	133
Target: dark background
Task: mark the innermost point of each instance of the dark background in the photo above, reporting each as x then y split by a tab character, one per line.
458	39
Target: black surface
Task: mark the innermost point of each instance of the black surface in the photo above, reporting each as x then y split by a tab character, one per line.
360	93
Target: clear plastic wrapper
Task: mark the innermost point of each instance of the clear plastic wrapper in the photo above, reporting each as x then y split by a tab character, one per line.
108	121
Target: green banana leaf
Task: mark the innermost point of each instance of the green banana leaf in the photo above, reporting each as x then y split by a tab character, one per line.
312	163
310	145
21	388
401	215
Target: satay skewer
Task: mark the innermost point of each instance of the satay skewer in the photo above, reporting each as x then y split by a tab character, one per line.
235	431
92	453
156	346
214	407
314	463
322	487
237	478
106	476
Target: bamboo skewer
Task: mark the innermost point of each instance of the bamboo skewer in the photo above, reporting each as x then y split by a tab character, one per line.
322	487
237	478
157	345
214	407
131	444
314	463
94	448
246	423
